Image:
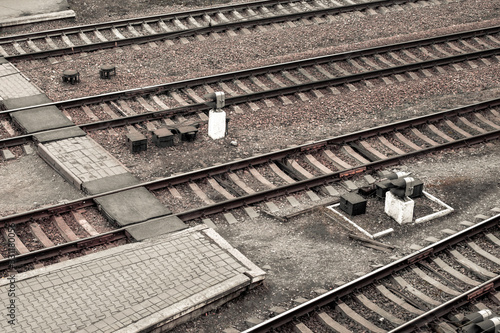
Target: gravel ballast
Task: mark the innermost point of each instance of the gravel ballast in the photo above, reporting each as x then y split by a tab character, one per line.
311	251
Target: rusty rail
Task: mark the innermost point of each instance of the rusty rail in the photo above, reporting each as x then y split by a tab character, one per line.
379	274
245	23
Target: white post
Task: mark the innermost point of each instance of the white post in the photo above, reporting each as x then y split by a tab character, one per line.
216	124
399	209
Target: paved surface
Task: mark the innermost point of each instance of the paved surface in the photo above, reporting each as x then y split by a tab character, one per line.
78	158
85	158
26	11
13	84
131	287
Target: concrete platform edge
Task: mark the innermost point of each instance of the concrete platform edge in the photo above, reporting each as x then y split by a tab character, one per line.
65	14
61	169
110	155
93	256
254	272
188	305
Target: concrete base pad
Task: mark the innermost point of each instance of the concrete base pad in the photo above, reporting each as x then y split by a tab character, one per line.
139	287
132	206
40	119
110	183
59	134
156	227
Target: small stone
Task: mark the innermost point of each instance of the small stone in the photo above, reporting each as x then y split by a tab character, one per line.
231	330
448	231
300	300
7	155
266	267
234	143
320	291
415	247
250	322
28	150
276	310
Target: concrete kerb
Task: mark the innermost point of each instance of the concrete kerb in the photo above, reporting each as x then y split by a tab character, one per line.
61	15
188	305
443	212
60	168
255	273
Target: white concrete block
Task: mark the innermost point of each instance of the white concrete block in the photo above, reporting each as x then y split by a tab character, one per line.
216	124
400	210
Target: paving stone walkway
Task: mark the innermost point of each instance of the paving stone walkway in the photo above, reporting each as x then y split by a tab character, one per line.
13	84
131	287
86	159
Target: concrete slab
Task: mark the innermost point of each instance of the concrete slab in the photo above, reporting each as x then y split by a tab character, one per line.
157	283
156	227
110	183
40	119
16	12
59	134
21	102
131	206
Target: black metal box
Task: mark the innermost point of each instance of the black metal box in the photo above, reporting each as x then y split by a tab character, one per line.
188	133
162	137
353	204
382	187
418	187
137	142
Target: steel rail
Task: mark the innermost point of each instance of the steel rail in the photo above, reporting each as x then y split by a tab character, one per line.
129	93
320	180
139	20
203	211
264	158
245	23
62	249
290	90
447	307
192	108
364	281
248	199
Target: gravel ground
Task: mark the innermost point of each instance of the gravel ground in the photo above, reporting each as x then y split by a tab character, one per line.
29	183
310	252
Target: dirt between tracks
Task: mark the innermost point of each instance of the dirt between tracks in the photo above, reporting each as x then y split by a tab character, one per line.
311	251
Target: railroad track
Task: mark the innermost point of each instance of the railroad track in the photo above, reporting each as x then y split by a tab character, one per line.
457	274
72	228
315	169
183	26
178	103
